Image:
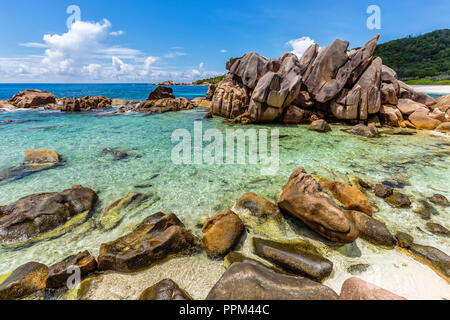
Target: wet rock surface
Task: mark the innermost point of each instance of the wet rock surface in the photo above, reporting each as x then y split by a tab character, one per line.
252	281
358	289
349	196
24	281
399	200
38	214
155	239
297	257
165	290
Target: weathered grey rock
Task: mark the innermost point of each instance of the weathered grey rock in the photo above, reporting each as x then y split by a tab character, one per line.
230	98
38	215
295	115
161	93
407	92
211	90
297	257
252	281
301	198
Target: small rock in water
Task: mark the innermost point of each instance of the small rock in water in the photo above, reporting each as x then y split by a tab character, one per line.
118	154
320	126
399	200
358	268
383	191
425	209
165	290
437	229
363	130
439	199
24	281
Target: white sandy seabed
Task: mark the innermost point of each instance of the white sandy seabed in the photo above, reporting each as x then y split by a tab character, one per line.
433	89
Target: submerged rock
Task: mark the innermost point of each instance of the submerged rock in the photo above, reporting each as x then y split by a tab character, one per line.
59	273
425	209
433	257
221	233
365	131
320	126
399	200
252	281
439	199
437	229
296	257
301	198
165	290
156	238
24	281
118	154
45	215
404	240
371	229
358	289
41	156
112	215
383	191
358	268
349	196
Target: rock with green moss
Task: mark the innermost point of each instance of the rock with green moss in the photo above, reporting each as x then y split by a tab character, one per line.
45	215
24	281
294	256
81	289
113	214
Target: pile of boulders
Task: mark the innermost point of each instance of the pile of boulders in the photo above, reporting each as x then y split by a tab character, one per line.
330	83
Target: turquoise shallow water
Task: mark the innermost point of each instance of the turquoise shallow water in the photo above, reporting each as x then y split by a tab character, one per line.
192	191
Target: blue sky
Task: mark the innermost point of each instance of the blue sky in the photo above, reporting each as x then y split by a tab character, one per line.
145	41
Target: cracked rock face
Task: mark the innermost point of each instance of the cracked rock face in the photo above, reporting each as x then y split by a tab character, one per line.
333	83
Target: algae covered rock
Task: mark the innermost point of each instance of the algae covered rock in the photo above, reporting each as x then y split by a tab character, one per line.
153	240
439	199
24	281
252	281
112	215
221	233
59	273
165	290
45	215
296	257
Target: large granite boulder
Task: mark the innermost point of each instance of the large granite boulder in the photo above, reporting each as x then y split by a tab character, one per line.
164	105
165	290
408	106
154	239
231	98
41	156
221	233
436	259
421	119
59	273
24	281
320	126
295	115
252	281
390	88
407	92
32	98
297	257
358	289
85	103
161	93
390	115
302	198
365	131
44	215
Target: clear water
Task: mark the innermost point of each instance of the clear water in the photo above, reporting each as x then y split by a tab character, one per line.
193	191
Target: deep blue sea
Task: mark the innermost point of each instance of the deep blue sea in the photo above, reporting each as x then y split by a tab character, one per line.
127	91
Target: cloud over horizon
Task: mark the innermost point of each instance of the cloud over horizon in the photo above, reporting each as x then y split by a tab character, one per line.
300	45
83	54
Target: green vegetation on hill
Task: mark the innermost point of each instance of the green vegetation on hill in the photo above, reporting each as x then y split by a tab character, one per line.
425	56
210	80
428	82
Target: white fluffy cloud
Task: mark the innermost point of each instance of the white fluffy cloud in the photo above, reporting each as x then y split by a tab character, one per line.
300	45
82	54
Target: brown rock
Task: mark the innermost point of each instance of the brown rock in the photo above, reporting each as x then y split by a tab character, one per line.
358	289
408	107
440	200
161	93
407	92
165	290
164	105
295	115
221	233
32	98
24	281
437	229
211	90
156	238
60	272
320	126
399	200
230	98
41	156
297	257
252	281
301	198
371	229
444	127
433	257
383	191
404	240
421	120
391	115
443	103
365	131
257	206
425	209
349	196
